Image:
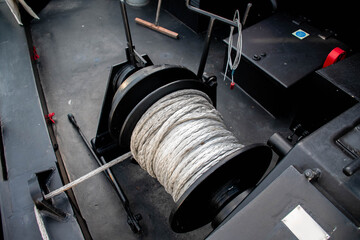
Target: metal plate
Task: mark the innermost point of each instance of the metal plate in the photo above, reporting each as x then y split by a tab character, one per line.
303	226
262	217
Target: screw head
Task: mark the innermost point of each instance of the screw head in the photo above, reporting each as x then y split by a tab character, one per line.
256	57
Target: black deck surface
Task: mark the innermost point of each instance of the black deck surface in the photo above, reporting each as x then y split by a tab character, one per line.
78	41
27	148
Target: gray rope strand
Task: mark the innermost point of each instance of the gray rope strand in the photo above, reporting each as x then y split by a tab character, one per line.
87	176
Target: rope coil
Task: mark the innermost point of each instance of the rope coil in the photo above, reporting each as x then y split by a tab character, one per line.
179	138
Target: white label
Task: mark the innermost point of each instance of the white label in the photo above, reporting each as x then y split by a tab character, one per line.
303	226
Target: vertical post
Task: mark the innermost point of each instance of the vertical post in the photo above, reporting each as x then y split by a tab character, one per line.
158	13
127	32
206	48
246	14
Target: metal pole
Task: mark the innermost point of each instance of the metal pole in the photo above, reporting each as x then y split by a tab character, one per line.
127	32
246	14
134	220
209	14
158	13
206	48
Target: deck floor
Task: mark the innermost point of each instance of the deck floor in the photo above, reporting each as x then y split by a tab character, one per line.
78	42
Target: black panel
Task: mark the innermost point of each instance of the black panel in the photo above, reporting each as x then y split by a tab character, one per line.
261	219
320	151
327	93
345	75
349	142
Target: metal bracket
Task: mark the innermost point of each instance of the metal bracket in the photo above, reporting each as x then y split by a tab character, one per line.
39	186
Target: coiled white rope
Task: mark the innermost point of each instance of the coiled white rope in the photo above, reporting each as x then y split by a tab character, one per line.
179	138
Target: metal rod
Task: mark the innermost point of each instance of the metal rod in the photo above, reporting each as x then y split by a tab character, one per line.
134	224
205	52
213	17
246	14
158	13
74	123
209	14
127	32
87	176
115	184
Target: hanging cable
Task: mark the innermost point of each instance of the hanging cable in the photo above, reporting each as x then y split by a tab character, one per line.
232	65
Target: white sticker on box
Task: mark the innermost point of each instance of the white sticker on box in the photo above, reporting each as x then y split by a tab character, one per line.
303	226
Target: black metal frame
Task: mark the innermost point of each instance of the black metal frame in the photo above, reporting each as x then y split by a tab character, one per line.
103	144
132	220
132	88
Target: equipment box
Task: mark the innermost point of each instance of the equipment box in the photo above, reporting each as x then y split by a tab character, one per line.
278	53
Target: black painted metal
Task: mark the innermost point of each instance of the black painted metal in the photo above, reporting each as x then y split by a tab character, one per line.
137	87
204	199
279	144
26	141
103	143
229	207
345	75
352	167
209	194
121	75
270	71
205	52
38	186
130	44
262	219
137	92
132	220
349	143
317	151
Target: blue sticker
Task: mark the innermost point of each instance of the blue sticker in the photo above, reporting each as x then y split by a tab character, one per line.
300	34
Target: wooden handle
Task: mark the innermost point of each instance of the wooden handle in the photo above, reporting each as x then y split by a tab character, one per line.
157	28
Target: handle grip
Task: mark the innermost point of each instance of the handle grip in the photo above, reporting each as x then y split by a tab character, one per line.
73	120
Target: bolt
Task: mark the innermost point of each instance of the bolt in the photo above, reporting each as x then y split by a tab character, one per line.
256	57
312	174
